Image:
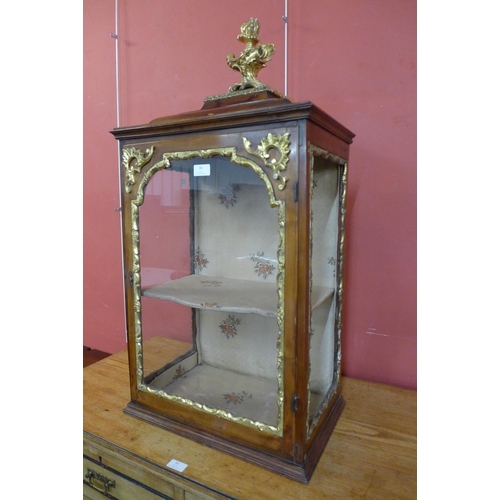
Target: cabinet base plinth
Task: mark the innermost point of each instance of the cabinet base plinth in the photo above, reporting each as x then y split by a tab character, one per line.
301	472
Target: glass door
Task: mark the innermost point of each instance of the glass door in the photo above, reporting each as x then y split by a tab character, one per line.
209	246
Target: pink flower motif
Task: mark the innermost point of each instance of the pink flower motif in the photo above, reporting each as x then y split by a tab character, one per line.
211	283
200	260
228	195
228	326
263	267
179	372
236	398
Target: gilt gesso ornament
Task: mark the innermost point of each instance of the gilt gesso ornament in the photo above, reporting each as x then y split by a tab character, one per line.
252	59
273	150
133	161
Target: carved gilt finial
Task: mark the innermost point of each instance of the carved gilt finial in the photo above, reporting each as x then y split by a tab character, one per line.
252	59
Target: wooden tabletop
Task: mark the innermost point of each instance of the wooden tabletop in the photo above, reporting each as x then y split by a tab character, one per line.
372	453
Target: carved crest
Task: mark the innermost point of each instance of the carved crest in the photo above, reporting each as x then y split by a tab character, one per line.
274	151
133	161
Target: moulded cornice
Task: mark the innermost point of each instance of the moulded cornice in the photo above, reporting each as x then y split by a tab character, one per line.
236	115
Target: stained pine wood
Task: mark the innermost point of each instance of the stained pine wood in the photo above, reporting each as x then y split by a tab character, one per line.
371	455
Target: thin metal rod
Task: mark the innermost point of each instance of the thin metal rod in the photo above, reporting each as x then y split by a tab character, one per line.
116	66
285	18
117	92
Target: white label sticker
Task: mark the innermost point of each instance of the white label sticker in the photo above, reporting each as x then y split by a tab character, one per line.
175	464
201	170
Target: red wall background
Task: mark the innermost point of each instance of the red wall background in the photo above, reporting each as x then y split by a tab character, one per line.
355	59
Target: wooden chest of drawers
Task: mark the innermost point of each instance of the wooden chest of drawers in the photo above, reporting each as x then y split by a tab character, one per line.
112	470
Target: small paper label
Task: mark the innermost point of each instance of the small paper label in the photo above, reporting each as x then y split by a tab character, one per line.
201	170
175	464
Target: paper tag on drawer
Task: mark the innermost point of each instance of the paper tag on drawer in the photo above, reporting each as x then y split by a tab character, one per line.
175	464
201	170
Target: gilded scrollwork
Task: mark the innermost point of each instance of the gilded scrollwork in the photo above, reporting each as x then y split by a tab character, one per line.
133	160
273	150
136	274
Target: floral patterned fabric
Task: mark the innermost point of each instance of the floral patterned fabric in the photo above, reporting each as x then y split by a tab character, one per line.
240	395
242	343
236	229
324	230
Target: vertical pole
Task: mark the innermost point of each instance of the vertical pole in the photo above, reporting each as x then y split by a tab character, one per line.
285	19
117	92
116	66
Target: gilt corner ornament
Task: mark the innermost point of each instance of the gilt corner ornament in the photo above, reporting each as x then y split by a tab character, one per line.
252	59
273	150
134	167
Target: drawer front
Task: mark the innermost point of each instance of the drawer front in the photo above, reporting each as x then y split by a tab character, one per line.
100	482
134	477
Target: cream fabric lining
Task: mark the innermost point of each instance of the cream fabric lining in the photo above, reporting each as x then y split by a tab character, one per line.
175	371
325	213
240	395
243	343
234	222
322	348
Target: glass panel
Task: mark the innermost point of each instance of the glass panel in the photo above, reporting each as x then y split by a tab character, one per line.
323	331
209	244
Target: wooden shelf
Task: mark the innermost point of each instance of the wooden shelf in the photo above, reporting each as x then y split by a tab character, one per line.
226	294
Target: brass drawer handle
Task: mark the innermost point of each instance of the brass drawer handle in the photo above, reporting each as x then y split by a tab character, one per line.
98	481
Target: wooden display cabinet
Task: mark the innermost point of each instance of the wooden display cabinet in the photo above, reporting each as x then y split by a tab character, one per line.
233	238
